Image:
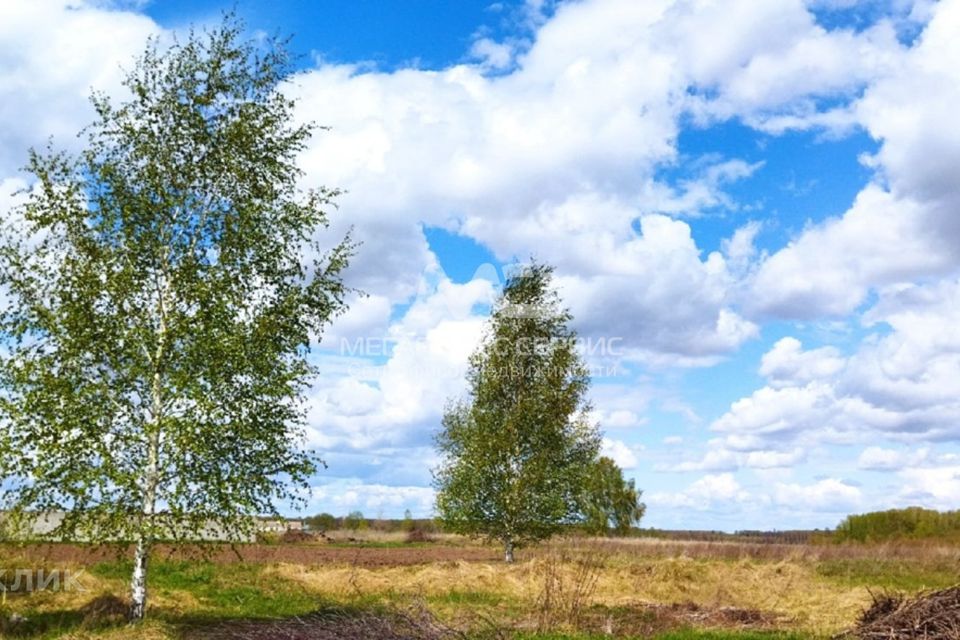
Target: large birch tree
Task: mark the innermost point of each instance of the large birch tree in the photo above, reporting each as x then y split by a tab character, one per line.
515	453
160	292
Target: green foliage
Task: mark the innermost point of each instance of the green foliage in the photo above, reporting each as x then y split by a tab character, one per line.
354	521
893	574
162	291
609	504
224	590
515	453
321	522
468	598
913	523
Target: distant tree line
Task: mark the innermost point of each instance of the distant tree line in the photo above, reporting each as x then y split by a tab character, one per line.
356	521
798	536
912	523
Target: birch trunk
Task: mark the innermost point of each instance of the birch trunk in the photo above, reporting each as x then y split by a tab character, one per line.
138	583
138	586
508	551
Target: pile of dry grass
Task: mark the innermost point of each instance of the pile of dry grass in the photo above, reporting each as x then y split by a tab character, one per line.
294	536
417	536
933	615
416	624
105	607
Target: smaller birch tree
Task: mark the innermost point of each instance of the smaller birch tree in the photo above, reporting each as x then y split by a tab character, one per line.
161	292
514	454
610	503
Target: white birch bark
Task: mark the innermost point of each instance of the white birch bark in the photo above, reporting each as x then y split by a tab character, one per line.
138	583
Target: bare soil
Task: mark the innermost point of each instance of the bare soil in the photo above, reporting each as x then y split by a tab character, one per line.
370	555
307	554
418	625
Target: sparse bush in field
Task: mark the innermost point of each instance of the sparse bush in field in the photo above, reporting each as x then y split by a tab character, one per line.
267	537
569	578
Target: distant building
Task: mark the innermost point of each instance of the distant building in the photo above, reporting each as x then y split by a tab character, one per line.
275	526
46	522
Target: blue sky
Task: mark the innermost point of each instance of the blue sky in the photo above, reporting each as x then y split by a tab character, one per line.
754	200
427	34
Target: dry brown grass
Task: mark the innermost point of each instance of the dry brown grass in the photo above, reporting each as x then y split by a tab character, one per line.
568	579
790	588
150	630
587	580
48	600
413	624
920	551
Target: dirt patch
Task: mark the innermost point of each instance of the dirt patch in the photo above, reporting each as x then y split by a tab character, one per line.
418	624
415	625
292	536
727	617
328	550
651	619
932	615
105	607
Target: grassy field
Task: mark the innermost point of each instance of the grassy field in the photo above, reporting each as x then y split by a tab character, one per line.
569	589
